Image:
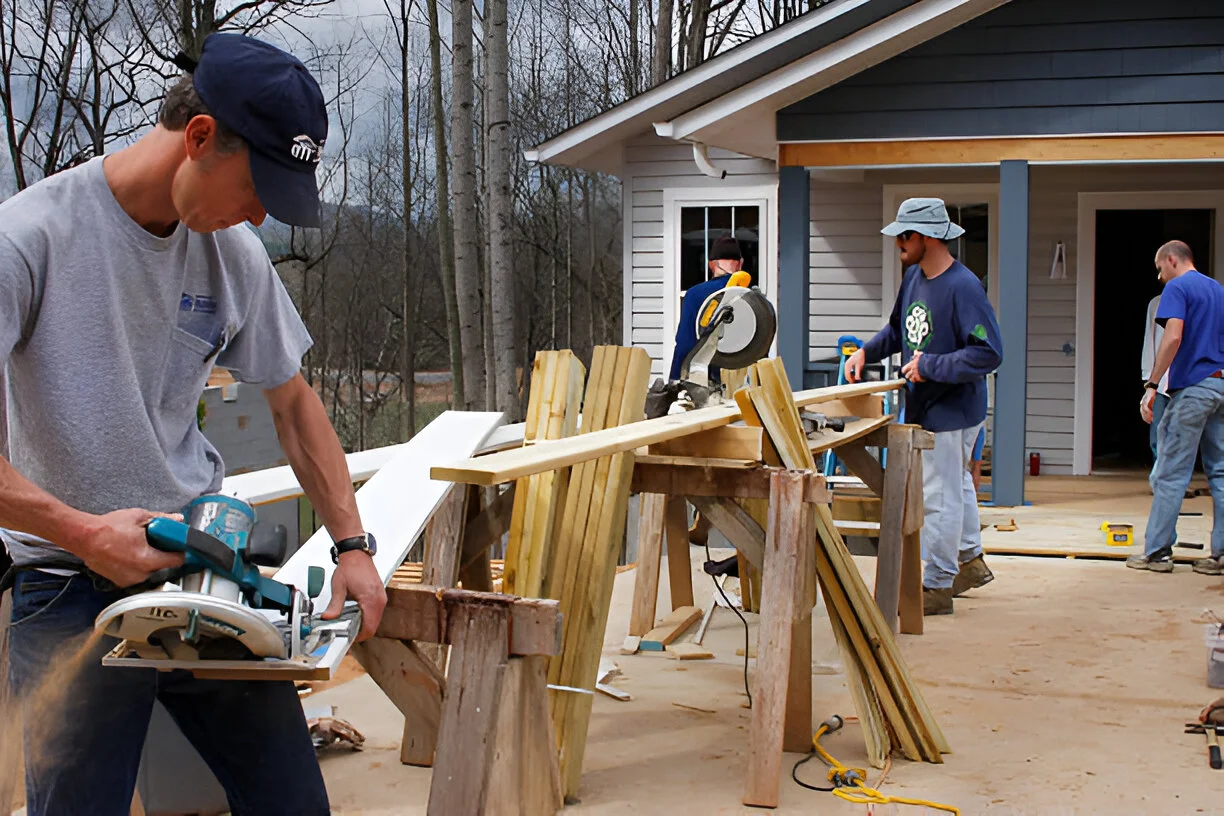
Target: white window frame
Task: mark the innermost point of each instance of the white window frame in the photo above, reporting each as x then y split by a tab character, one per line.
763	196
953	195
1085	289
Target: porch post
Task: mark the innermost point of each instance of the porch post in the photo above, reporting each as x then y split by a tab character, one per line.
1007	458
793	266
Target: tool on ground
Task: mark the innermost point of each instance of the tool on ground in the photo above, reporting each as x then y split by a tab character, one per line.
1118	533
1211	723
850	784
218	606
735	328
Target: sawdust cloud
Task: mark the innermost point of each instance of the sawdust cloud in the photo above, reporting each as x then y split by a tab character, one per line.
48	709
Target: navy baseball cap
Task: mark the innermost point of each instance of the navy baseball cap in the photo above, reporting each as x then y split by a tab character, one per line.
268	97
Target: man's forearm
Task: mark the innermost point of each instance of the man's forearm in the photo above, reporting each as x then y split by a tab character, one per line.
26	507
1169	344
310	444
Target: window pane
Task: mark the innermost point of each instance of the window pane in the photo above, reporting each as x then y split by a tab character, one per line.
973	248
748	233
692	247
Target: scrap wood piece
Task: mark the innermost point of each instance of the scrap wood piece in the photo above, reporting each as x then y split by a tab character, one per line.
652	507
550	455
1010	527
671	627
552	413
688	651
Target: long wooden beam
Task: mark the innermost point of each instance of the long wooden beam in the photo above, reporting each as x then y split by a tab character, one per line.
730	483
553	454
1066	149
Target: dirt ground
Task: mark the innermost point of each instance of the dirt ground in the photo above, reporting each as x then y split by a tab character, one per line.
1062	688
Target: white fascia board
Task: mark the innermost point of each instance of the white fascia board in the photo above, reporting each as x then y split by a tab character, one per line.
789	84
687	81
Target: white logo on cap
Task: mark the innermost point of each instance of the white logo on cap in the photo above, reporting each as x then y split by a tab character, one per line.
306	149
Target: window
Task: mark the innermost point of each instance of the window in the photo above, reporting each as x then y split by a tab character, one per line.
973	248
700	226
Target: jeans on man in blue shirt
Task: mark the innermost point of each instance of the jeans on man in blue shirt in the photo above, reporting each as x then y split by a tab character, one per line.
1193	421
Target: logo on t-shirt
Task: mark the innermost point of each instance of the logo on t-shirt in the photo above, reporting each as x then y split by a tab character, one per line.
918	325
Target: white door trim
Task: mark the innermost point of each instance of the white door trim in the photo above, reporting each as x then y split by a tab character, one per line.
954	194
1085	288
764	196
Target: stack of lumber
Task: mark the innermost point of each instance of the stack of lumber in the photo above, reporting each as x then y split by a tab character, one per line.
892	711
411	573
552	413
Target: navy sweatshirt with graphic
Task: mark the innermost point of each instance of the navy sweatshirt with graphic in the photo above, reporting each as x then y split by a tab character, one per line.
949	320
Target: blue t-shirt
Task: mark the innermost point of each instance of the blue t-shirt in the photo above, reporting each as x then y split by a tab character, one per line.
949	320
1198	301
686	332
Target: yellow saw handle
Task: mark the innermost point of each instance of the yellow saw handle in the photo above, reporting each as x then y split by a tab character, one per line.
741	279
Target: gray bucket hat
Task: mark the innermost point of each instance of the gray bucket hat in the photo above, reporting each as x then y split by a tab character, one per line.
927	216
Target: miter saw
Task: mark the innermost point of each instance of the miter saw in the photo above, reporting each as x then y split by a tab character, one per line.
735	328
218	608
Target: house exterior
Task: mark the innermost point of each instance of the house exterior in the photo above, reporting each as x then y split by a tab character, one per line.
1060	134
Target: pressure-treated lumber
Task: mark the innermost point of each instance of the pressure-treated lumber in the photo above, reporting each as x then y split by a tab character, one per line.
428	614
414	684
679	568
892	519
551	455
552	413
591	532
696	479
650	554
727	442
782	585
671	627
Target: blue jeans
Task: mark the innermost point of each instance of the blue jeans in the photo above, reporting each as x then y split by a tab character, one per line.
1193	421
951	534
83	748
1158	408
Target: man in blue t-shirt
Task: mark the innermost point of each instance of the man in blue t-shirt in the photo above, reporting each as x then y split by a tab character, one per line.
725	260
948	337
1191	311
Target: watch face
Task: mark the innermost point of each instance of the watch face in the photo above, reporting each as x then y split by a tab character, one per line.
371	543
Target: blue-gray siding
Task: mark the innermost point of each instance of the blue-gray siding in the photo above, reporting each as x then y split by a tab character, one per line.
1037	67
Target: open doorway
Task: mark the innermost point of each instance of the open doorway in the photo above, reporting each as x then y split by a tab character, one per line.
1126	244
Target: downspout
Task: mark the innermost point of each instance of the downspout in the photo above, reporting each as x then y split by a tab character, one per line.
701	155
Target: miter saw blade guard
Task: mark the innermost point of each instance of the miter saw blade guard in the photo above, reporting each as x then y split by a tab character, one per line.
744	323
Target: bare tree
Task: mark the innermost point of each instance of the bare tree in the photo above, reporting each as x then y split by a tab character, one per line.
501	207
660	66
467	235
170	25
446	235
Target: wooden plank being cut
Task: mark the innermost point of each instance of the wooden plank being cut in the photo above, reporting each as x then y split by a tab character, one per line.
551	455
398	501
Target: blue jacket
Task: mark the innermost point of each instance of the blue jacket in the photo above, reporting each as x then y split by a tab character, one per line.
949	320
686	332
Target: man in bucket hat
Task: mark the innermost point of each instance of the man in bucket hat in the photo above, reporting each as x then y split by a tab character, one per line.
122	282
948	337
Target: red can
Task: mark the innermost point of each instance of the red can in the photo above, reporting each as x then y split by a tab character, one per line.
1034	464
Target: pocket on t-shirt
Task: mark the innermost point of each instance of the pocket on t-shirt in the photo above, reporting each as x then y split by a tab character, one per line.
187	367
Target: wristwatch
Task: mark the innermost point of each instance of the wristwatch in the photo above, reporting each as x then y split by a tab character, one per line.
365	543
1151	385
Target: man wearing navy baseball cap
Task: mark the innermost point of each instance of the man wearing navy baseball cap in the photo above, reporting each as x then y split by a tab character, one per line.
123	281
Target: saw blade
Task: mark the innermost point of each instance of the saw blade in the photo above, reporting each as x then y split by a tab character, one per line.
749	336
151	617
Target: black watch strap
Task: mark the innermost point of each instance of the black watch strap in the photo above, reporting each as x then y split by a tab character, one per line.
1151	385
365	543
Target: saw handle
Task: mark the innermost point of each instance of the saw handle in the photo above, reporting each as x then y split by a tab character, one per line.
1213	746
171	535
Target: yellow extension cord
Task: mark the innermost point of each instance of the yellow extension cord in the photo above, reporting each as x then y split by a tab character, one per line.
855	790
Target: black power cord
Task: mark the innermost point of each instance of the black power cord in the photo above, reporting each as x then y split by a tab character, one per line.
800	782
743	620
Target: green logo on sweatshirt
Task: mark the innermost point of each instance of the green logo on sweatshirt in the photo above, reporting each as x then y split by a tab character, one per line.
979	331
918	325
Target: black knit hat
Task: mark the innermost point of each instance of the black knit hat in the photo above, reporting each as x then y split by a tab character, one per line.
725	248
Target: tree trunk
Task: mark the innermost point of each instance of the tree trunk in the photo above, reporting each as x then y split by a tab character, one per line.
467	235
407	259
446	236
501	207
660	67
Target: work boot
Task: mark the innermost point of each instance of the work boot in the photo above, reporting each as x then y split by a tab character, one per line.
972	574
1212	565
1156	563
936	601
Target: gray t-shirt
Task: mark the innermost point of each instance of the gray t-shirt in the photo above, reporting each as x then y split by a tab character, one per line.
107	336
